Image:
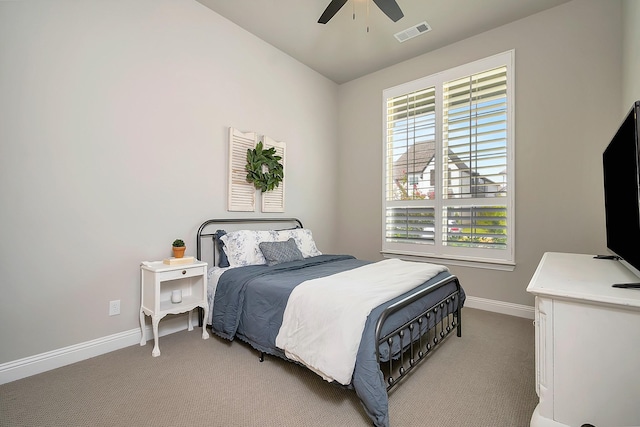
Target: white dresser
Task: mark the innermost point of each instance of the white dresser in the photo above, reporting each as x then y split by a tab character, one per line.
587	343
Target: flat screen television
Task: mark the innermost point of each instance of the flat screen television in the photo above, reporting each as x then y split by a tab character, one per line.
621	163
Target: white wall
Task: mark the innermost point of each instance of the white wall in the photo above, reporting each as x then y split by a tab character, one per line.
631	54
568	86
113	136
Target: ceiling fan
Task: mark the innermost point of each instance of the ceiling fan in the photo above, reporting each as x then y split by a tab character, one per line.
389	7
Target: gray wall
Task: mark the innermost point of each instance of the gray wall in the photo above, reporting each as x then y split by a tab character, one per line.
113	133
630	54
568	96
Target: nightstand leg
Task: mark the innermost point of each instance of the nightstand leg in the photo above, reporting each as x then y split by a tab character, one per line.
156	348
205	334
190	324
143	340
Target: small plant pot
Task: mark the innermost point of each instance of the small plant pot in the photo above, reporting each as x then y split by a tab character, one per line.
178	251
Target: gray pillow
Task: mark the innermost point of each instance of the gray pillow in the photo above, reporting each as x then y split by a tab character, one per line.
278	252
222	255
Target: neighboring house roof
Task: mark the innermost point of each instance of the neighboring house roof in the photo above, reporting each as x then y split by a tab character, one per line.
414	160
418	156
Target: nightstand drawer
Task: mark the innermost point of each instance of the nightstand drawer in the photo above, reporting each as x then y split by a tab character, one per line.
180	273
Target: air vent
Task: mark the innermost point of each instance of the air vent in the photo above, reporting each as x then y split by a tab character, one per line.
412	32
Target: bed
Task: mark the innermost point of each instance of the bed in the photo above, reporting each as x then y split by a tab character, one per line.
268	283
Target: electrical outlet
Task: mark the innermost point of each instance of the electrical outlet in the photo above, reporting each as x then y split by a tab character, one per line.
114	307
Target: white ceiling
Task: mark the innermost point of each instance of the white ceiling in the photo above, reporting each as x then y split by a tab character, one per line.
343	50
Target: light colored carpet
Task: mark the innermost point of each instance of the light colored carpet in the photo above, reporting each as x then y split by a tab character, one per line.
485	378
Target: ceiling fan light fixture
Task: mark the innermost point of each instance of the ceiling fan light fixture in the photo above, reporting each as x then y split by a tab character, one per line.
412	32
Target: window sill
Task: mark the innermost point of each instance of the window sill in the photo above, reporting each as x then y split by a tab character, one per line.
489	265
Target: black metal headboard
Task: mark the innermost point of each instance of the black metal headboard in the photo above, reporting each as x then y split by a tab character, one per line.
208	229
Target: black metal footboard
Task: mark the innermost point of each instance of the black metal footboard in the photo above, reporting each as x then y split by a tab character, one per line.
400	350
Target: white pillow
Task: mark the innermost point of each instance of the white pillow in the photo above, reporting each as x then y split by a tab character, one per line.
303	239
242	246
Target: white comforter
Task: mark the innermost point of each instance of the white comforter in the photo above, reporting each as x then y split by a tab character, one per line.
324	318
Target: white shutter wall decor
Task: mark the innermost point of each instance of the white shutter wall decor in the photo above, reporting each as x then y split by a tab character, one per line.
273	201
241	194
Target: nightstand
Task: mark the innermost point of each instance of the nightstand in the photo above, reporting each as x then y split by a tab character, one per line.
158	281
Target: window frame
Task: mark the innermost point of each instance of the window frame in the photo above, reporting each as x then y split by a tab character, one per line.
437	252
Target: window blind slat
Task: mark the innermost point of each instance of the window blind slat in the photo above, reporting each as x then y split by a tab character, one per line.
475	226
408	224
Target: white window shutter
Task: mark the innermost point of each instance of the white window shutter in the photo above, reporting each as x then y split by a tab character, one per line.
448	149
273	201
241	194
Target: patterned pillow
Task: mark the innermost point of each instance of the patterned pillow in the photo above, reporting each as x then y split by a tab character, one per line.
303	239
278	252
242	247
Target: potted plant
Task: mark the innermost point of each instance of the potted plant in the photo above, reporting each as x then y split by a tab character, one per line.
178	248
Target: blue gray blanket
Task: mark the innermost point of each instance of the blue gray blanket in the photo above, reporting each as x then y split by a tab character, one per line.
250	301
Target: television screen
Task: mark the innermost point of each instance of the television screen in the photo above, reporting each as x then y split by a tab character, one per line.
622	190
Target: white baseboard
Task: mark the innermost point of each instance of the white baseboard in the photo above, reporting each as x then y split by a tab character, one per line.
22	368
511	309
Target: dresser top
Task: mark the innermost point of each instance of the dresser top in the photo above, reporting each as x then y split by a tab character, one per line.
582	277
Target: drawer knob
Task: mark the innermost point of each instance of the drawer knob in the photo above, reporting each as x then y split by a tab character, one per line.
184	271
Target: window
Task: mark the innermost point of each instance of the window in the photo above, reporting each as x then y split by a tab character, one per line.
448	164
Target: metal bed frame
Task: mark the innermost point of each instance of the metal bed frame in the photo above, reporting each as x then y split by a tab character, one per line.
416	339
425	331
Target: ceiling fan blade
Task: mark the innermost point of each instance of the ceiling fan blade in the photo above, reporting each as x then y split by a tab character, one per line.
390	8
331	10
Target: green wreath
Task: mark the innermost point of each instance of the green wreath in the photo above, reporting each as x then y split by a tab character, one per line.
268	177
